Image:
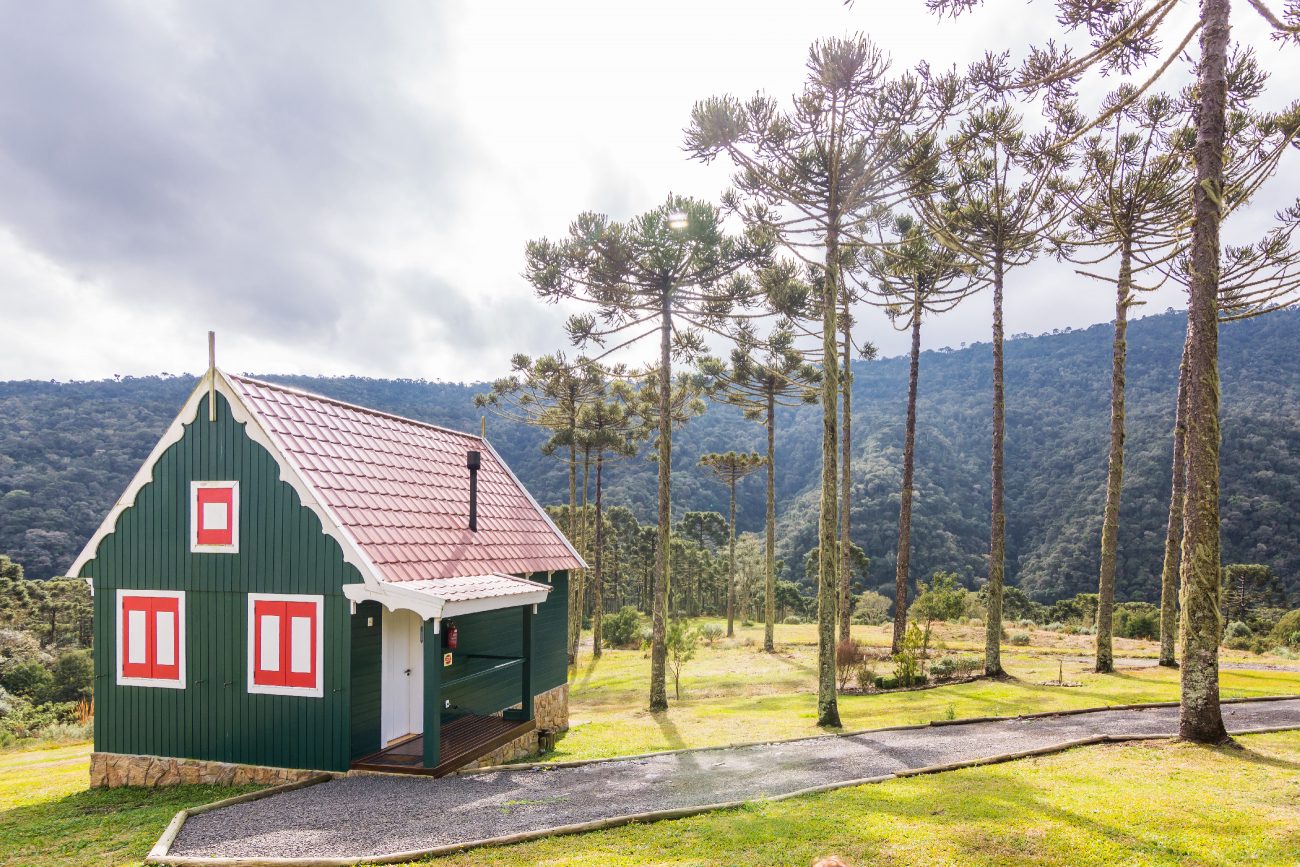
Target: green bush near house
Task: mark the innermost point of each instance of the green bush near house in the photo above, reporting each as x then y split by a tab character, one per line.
622	629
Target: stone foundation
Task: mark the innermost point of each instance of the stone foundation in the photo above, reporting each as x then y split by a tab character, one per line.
111	770
550	711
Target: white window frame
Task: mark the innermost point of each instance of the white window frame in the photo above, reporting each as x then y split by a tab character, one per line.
168	683
195	547
316	691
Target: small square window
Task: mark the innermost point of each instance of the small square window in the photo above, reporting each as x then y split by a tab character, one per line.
151	638
285	644
214	517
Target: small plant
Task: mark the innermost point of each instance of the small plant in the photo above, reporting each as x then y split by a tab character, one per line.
849	655
944	668
711	632
907	662
950	712
793	620
682	642
1055	627
1020	639
1237	629
968	665
866	676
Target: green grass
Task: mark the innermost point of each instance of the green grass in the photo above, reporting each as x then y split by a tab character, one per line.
1156	803
733	692
49	817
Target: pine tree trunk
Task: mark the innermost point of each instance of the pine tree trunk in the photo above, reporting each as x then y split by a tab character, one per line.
828	587
998	528
578	589
1115	471
575	575
598	579
904	560
659	619
1174	530
1200	718
846	452
769	552
731	564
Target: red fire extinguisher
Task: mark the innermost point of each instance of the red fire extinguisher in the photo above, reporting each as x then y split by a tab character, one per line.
453	636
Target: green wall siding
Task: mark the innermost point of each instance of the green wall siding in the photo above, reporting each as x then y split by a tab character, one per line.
282	550
550	630
367	677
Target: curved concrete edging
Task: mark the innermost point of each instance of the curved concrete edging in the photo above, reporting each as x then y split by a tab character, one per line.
159	853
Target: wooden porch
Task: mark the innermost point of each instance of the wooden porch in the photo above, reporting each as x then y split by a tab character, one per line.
464	740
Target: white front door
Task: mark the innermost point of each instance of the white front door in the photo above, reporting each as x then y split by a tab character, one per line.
402	697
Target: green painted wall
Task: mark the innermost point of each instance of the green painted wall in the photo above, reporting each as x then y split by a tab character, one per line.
367	677
282	550
550	628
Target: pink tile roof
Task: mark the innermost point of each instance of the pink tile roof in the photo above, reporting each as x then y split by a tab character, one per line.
400	489
475	587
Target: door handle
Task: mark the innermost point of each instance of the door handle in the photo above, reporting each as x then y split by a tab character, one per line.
408	672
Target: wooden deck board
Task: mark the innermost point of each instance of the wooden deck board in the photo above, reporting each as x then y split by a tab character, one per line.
463	740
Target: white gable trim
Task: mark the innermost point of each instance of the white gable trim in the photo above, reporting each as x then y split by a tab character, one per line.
427	605
289	474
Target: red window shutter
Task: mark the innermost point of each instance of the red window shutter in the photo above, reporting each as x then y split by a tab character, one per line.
269	659
298	643
165	635
137	640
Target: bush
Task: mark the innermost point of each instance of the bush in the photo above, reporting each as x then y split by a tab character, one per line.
1055	627
872	608
74	676
1287	629
849	656
1137	620
622	629
1020	639
1239	643
793	620
29	680
866	676
1237	629
944	668
711	632
968	665
907	662
896	683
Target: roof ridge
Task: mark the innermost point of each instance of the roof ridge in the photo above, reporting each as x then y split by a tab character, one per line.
356	406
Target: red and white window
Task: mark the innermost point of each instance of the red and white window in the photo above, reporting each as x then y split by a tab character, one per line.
286	644
214	517
151	638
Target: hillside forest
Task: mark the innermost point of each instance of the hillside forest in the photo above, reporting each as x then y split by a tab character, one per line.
67	451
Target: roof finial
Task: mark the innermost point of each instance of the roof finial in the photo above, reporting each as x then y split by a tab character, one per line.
212	376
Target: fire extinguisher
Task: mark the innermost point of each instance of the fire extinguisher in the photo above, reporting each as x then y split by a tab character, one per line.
452	635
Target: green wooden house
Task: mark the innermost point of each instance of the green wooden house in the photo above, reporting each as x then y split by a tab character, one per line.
294	582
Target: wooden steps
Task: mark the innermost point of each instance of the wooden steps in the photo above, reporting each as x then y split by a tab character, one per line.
464	740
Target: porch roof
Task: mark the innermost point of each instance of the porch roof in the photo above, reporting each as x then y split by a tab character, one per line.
438	598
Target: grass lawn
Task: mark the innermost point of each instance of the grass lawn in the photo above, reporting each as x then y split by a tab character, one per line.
1157	803
732	692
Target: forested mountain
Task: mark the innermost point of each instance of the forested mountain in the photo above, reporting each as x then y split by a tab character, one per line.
68	449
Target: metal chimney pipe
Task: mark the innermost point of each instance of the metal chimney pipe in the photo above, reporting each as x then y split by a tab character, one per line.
472	461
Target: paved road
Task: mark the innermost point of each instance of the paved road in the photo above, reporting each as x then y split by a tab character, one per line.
373	815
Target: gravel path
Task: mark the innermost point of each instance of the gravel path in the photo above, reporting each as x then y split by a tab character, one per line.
373	815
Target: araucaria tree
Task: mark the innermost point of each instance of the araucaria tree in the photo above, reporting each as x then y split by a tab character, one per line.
670	272
813	174
913	277
758	380
1000	196
730	468
1131	208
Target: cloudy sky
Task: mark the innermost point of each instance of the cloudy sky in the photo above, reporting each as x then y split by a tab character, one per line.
348	187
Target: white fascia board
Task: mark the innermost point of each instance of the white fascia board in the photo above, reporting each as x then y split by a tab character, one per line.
493	603
545	517
429	606
253	427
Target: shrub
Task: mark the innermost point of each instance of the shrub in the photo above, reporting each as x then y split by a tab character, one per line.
1137	620
907	662
1239	643
896	683
682	641
1020	639
1287	629
967	665
793	620
872	608
74	676
1237	629
849	656
29	680
944	668
1055	627
711	632
622	629
866	676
